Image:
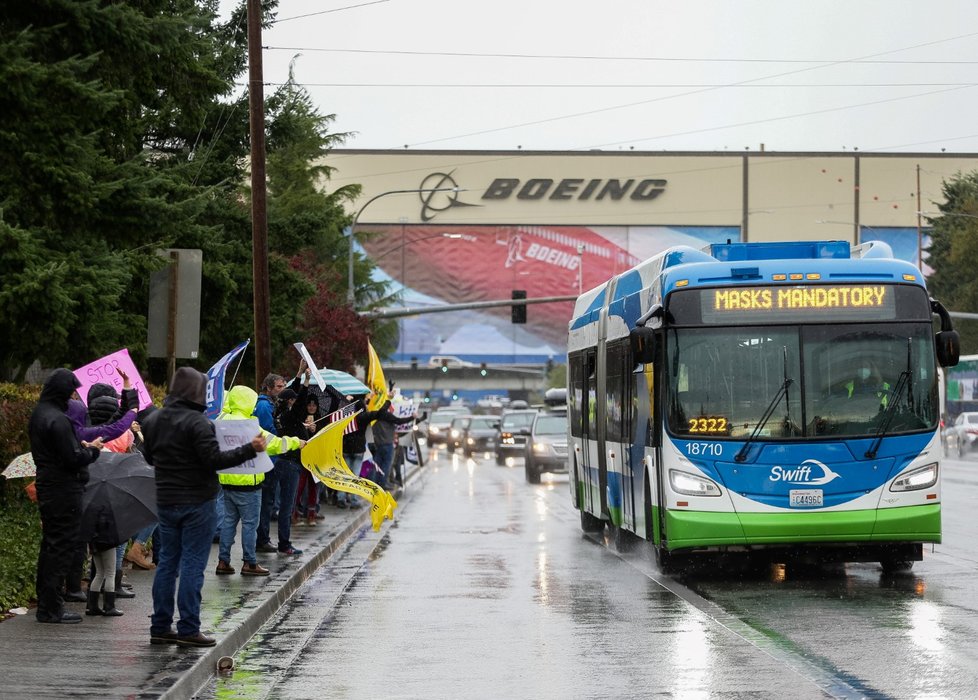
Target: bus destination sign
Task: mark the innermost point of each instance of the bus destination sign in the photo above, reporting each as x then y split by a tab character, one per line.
767	298
798	303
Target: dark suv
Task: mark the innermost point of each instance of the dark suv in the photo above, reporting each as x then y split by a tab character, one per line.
546	446
514	426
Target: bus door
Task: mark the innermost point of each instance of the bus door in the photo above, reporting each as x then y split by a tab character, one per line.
588	432
598	418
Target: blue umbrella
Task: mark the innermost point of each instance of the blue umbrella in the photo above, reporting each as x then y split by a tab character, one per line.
343	382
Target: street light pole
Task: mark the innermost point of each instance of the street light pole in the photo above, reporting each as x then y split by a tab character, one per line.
350	297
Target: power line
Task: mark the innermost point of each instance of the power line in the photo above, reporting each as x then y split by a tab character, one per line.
656	59
326	12
592	86
685	94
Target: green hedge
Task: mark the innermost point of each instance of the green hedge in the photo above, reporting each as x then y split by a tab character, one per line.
20	523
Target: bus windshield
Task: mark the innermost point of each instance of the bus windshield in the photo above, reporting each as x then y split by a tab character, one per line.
840	380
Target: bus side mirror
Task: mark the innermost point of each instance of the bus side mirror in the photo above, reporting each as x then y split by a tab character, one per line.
643	344
948	348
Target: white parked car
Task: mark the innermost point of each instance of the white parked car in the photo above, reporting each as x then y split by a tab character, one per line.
963	433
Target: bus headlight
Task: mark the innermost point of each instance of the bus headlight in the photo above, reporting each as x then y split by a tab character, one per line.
920	478
692	485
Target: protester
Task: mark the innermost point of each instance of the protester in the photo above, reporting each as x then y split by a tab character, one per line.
182	446
382	447
139	554
105	404
243	492
355	441
112	422
291	417
308	489
62	472
265	411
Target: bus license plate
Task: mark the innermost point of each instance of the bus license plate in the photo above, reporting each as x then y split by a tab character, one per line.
805	498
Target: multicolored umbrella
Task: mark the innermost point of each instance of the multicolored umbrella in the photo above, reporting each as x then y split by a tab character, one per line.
343	382
22	466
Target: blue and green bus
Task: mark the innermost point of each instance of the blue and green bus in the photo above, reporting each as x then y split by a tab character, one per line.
779	399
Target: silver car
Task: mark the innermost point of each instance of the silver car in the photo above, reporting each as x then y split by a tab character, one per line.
963	433
546	446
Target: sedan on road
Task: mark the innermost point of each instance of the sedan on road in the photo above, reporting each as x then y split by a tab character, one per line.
546	446
963	433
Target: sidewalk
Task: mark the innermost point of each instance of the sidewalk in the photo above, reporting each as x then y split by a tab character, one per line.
112	657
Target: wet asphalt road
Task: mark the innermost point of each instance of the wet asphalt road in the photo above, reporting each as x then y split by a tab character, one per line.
485	587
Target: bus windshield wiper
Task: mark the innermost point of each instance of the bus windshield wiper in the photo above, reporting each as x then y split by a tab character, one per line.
782	391
902	383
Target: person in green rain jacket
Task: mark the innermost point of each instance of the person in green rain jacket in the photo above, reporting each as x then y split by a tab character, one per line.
242	492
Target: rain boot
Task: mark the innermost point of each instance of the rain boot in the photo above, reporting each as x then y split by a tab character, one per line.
110	609
119	590
93	608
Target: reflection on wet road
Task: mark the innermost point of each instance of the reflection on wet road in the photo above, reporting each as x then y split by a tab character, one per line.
485	587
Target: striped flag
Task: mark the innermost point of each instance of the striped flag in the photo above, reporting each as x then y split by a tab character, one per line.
349	410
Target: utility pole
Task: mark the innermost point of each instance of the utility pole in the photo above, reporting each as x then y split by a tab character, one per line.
259	218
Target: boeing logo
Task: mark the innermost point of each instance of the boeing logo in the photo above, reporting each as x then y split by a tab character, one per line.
803	474
441	194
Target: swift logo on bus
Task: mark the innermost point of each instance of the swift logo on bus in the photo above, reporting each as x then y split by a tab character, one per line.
803	474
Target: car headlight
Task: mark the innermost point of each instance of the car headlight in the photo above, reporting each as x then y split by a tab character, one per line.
470	441
920	478
433	430
540	447
454	433
692	485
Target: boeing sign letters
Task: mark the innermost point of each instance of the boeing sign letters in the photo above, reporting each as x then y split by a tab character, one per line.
575	188
536	189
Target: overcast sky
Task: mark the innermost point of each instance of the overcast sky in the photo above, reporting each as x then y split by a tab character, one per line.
877	75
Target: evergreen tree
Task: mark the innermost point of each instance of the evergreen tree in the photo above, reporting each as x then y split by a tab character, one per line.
954	255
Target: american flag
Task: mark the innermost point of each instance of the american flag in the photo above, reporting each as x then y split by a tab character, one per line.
344	412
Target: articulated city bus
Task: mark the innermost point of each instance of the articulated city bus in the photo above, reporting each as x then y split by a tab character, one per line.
779	399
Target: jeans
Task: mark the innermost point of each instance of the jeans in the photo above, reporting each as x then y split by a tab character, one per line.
383	456
288	480
186	532
218	512
353	461
143	535
284	478
246	506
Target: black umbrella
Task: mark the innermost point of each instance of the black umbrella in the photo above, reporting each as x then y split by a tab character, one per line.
119	500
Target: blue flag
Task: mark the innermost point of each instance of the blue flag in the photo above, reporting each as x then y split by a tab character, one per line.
215	381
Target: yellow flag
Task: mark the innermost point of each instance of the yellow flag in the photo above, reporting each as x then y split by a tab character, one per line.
375	379
323	457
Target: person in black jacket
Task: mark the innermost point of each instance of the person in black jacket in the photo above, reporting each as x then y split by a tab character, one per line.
181	444
62	472
355	442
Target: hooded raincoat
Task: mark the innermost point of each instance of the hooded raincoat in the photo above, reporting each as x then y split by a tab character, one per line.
240	405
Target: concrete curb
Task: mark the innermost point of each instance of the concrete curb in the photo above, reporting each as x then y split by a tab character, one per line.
185	676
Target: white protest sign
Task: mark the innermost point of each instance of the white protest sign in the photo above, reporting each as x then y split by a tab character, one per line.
301	347
235	433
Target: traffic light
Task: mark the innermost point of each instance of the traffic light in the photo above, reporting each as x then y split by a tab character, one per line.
518	310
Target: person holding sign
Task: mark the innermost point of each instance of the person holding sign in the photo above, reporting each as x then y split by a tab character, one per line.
181	444
243	492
